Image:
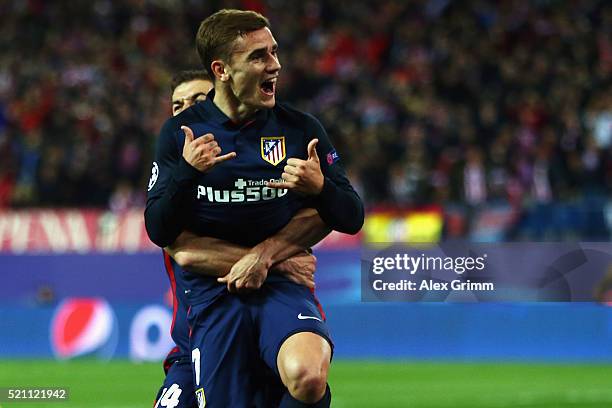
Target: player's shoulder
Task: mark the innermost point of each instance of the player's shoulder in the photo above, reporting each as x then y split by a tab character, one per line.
185	118
287	112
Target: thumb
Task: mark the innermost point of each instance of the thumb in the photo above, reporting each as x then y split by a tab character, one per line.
312	150
188	134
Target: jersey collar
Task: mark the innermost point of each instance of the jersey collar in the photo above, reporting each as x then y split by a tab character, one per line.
214	114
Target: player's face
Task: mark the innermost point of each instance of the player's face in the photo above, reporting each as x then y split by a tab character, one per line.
188	93
254	69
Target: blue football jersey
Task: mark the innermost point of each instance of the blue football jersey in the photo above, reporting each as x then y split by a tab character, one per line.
231	201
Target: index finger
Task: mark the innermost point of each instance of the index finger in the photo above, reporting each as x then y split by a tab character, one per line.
295	162
225	157
284	184
208	137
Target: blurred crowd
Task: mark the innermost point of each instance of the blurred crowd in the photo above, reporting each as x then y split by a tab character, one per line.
428	102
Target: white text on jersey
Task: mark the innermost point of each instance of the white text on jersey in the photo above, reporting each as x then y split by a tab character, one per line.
246	191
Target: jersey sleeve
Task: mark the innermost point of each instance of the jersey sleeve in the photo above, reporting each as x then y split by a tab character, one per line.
170	189
338	203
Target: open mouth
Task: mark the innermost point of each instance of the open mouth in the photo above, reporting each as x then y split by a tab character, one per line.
268	87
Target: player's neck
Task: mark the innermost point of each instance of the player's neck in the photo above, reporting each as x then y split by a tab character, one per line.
233	109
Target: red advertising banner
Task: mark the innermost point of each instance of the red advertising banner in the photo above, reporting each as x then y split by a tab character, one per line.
80	231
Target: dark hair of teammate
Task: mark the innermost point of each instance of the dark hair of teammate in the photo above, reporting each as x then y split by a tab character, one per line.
187	76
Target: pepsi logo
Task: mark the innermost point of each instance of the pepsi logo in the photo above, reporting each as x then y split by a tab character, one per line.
84	326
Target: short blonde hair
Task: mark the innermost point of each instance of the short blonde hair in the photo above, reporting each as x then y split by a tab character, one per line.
216	35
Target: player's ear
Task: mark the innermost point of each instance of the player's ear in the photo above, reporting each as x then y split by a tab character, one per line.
219	70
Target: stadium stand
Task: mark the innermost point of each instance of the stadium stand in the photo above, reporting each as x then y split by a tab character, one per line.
475	108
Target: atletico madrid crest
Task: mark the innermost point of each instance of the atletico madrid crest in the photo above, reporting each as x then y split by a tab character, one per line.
273	149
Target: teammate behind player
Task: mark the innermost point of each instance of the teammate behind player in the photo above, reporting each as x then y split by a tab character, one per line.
189	87
227	197
177	391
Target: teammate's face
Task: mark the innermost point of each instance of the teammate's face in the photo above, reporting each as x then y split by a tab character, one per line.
188	93
254	68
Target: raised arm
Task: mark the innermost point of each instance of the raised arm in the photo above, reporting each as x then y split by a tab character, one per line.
173	180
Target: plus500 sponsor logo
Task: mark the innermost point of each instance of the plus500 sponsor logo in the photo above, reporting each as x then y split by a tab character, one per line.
86	327
246	191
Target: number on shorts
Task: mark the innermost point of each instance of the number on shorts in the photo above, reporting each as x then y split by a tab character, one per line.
195	359
170	397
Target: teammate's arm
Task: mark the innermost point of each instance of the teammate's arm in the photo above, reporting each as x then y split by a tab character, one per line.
205	255
246	268
304	230
215	257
